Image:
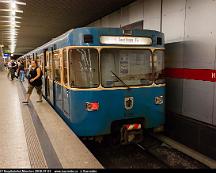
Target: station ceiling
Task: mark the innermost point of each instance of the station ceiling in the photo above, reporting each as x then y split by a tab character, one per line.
43	20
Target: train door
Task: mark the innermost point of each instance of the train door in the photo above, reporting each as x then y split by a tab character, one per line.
57	68
66	91
45	71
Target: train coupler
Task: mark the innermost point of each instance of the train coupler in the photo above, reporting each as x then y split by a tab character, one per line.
132	133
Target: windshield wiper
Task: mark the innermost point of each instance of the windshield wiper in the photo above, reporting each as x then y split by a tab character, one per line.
120	79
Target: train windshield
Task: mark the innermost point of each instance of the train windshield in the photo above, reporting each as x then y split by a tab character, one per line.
83	68
132	67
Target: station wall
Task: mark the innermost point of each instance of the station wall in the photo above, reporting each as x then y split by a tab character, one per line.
190	36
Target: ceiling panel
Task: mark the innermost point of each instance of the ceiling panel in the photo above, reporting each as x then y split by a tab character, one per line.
43	20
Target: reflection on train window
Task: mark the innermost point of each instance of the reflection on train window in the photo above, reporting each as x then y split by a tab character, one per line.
65	67
126	66
46	68
50	72
83	68
159	67
38	61
57	72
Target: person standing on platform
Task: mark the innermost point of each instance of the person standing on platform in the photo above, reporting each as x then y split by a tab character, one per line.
35	81
13	70
9	66
21	72
18	63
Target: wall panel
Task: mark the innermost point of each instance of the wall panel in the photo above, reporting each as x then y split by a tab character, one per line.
124	19
200	31
136	11
173	18
174	55
152	14
198	100
174	95
214	106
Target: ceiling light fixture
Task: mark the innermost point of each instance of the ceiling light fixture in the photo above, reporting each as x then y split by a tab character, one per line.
11	10
16	2
16	17
11	33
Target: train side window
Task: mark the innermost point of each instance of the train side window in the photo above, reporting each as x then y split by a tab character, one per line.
83	66
38	59
46	65
65	78
42	63
57	69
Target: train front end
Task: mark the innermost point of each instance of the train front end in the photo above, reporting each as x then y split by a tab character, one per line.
119	86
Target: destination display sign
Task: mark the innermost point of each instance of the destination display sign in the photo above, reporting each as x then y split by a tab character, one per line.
125	40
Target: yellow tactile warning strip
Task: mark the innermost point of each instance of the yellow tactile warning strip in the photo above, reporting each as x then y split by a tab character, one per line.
35	152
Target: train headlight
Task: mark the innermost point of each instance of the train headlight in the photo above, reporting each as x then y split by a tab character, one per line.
92	106
159	100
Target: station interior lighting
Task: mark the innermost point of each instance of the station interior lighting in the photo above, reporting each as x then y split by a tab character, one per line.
12	31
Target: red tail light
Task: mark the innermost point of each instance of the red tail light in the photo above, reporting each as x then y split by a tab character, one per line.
93	106
133	126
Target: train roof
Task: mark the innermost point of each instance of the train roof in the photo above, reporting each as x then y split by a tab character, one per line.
76	37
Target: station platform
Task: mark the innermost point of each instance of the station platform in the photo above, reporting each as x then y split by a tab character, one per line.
34	136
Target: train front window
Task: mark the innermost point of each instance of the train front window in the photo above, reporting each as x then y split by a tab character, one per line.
158	58
132	67
83	68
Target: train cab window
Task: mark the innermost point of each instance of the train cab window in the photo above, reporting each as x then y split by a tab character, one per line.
83	68
65	67
132	67
158	58
57	69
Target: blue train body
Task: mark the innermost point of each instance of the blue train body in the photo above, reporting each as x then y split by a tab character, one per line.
112	109
70	102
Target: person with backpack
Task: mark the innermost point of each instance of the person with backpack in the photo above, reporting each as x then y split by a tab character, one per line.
35	81
13	70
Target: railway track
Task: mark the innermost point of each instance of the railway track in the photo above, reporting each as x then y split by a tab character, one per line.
146	150
149	154
172	158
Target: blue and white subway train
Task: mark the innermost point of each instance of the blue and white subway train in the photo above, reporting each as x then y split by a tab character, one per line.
105	80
